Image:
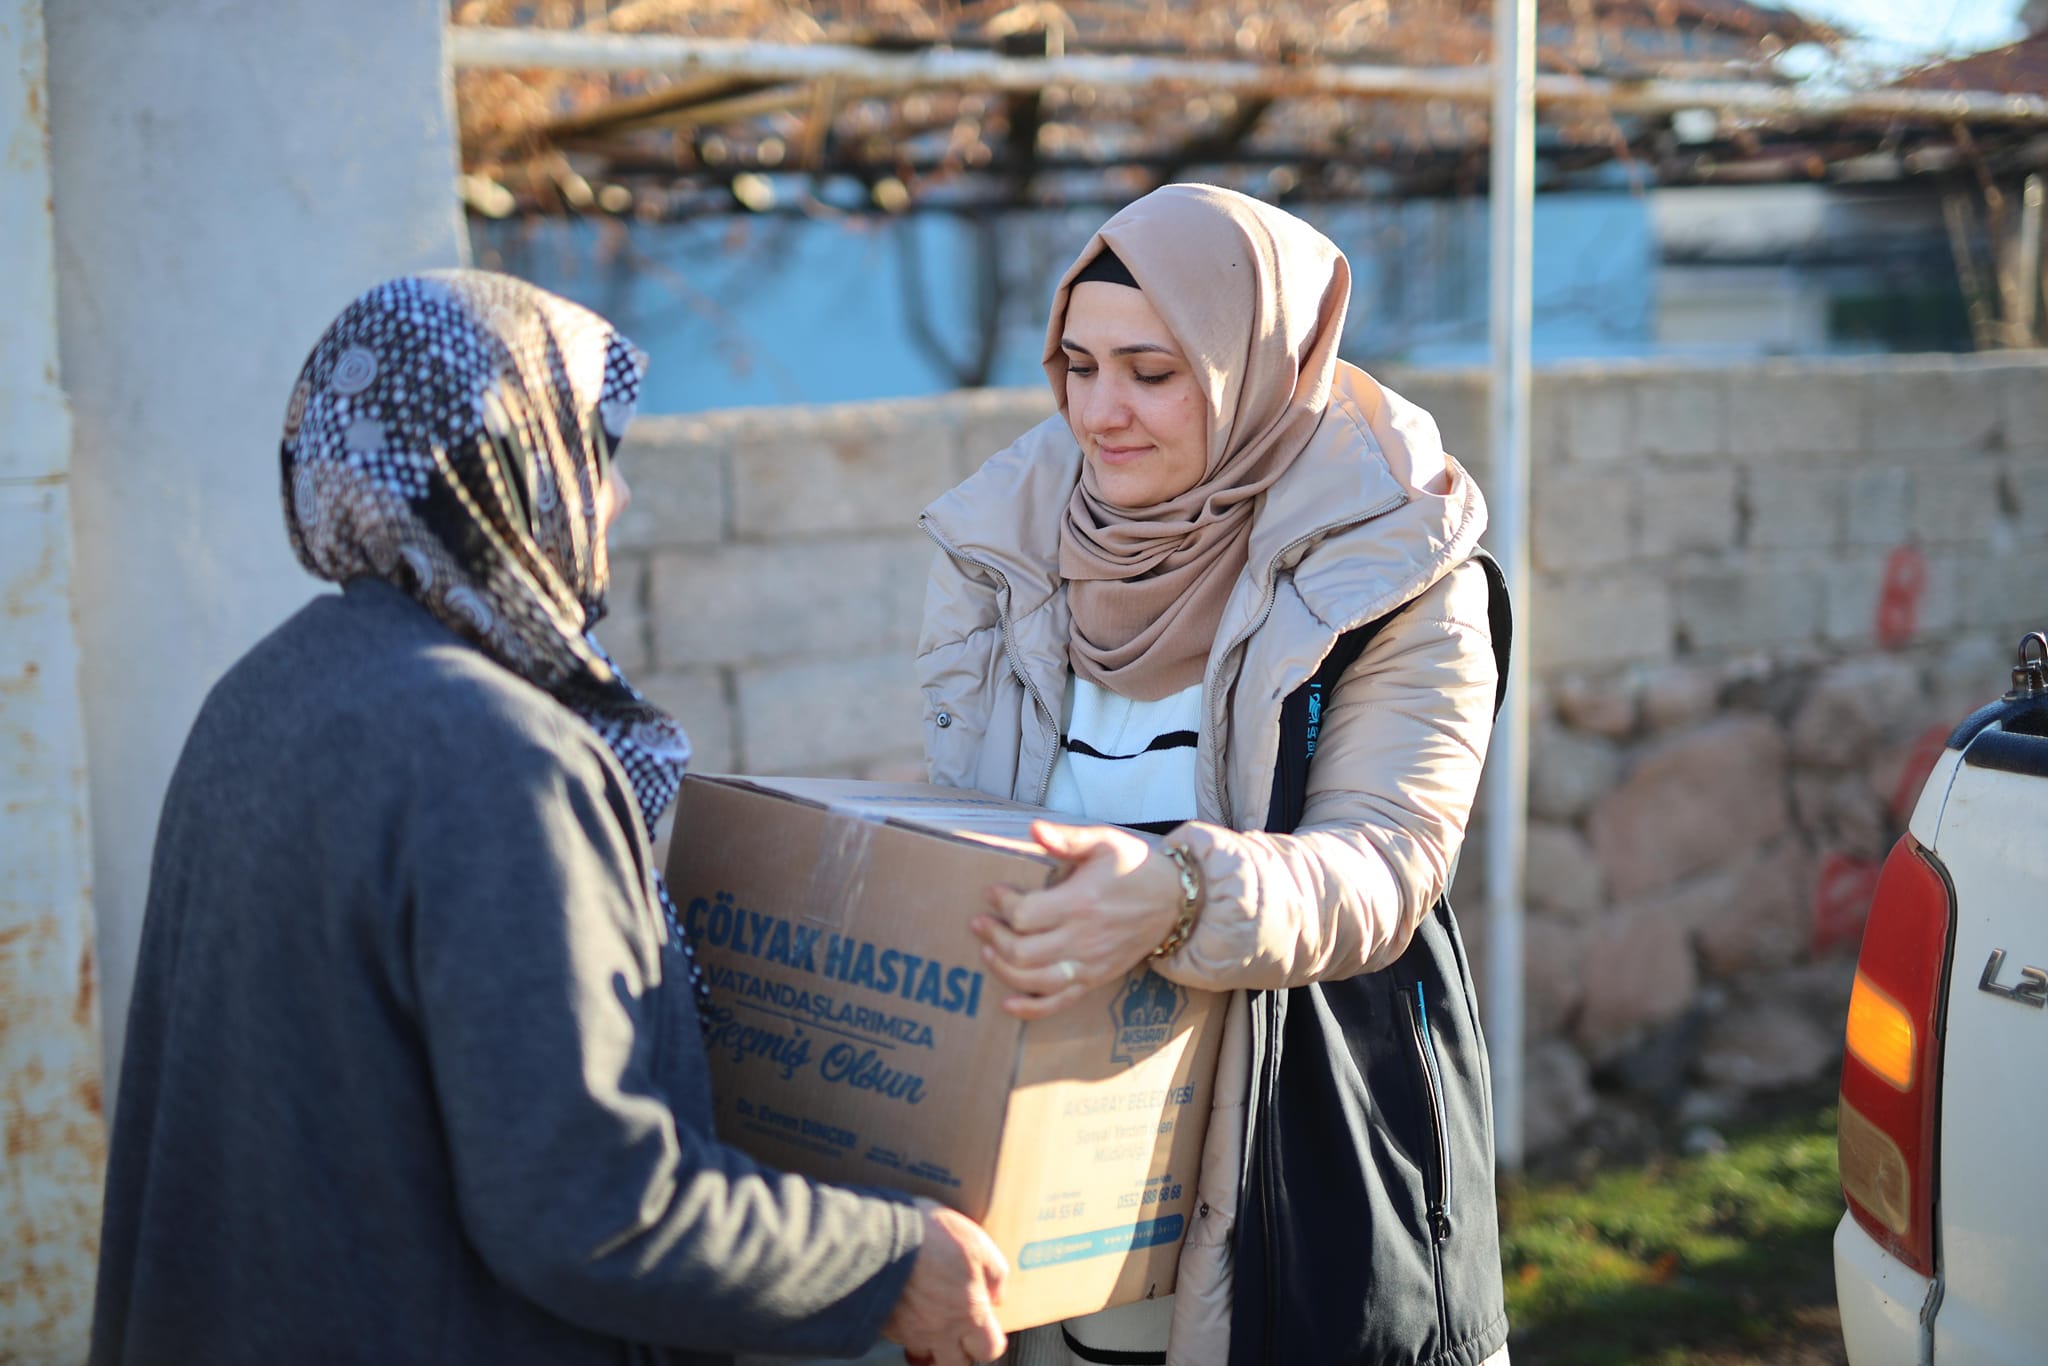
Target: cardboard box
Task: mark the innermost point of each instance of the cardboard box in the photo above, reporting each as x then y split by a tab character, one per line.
859	1038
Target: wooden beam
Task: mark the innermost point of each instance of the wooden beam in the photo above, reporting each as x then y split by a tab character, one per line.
634	109
563	50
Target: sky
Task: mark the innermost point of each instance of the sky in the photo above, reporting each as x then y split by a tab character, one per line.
1907	32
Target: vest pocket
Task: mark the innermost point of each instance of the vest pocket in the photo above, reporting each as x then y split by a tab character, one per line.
1438	1187
1437	1169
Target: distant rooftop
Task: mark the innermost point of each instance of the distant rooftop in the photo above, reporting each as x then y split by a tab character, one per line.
2019	68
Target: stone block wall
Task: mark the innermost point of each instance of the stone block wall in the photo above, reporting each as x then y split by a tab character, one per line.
1762	594
768	575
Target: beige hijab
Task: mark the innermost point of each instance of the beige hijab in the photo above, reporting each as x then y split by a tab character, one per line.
1256	300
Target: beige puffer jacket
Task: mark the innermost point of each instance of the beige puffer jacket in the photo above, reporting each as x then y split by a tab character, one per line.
1349	534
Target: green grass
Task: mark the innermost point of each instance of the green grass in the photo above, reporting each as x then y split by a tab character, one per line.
1696	1261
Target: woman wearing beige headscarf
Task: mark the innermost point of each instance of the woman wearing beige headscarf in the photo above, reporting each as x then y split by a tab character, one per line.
1231	595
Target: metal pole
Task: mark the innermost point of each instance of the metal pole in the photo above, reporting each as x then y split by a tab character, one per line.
2027	267
1507	772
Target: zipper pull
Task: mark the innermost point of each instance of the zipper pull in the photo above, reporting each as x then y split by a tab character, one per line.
1439	1223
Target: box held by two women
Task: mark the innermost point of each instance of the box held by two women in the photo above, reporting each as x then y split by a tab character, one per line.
857	1036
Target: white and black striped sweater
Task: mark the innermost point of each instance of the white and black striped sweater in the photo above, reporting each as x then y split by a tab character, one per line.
1126	762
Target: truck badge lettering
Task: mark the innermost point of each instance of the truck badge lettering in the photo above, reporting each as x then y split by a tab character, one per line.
2030	990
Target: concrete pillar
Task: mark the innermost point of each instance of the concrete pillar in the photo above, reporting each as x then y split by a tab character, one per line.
50	1091
228	174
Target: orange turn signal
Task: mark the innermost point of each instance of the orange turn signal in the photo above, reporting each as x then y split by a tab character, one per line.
1880	1034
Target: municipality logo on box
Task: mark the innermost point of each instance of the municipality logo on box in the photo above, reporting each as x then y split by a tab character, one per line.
1144	1013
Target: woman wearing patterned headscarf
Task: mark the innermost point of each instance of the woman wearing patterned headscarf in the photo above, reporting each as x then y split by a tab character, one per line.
414	1068
1231	595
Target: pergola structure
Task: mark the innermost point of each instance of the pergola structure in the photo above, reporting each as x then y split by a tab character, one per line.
660	109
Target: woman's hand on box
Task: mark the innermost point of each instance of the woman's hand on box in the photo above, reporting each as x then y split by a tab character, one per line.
1118	898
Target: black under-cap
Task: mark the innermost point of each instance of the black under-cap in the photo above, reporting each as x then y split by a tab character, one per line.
1107	268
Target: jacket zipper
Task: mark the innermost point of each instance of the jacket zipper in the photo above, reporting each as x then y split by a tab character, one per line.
1010	654
1439	1128
1272	589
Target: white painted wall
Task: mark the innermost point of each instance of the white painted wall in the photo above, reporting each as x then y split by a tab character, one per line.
228	174
50	1091
1740	312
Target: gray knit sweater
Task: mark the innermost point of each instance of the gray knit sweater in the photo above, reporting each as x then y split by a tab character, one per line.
410	1074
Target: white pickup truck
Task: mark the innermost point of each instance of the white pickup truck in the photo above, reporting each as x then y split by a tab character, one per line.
1942	1257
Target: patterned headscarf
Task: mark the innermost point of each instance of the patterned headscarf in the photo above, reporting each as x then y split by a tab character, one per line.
449	435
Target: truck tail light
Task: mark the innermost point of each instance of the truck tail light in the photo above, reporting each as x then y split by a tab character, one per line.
1891	1068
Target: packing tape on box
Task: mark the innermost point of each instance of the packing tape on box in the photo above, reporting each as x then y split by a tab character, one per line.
841	871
